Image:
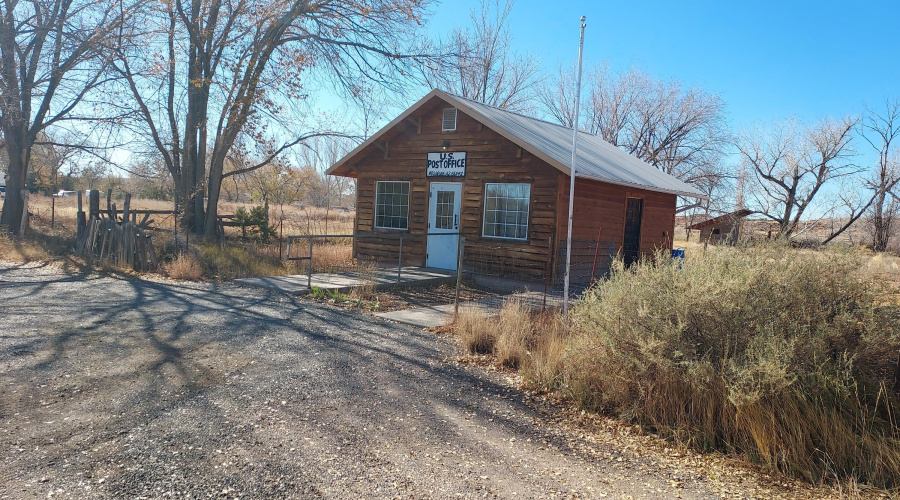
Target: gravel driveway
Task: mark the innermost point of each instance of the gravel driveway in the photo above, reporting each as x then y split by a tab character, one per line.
114	387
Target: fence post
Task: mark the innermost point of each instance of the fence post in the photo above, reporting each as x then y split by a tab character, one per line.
309	269
93	204
126	208
596	254
400	259
52	211
459	271
80	220
24	222
547	270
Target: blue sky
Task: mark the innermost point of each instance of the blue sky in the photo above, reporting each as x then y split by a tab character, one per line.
768	60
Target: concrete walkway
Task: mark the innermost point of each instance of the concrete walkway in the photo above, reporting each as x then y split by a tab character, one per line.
434	316
296	284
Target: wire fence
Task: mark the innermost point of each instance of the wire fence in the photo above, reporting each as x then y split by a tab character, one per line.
490	271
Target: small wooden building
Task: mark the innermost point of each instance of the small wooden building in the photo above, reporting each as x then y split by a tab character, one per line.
725	228
501	179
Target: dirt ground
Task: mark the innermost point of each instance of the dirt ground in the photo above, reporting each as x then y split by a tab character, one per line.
116	387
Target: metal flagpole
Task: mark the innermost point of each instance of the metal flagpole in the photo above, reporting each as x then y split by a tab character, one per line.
572	172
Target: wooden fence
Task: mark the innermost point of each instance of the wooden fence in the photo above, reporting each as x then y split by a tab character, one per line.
122	242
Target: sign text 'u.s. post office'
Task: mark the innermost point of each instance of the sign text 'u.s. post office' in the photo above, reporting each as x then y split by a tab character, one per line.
446	164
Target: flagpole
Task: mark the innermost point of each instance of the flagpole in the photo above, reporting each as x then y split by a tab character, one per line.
572	172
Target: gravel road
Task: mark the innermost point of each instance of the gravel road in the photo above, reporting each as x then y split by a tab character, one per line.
116	387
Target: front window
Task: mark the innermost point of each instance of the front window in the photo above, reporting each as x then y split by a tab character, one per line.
392	205
506	210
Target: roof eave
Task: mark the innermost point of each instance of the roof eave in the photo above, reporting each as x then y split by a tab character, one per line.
642	187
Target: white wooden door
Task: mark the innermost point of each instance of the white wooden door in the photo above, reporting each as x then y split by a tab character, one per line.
443	217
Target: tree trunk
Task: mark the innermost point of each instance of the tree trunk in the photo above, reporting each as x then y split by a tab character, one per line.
13	204
879	238
214	190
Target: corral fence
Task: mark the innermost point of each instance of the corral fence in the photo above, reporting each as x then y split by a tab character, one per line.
481	274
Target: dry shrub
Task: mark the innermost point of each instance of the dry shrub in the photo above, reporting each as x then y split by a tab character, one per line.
533	342
514	331
544	366
233	259
475	330
184	267
783	355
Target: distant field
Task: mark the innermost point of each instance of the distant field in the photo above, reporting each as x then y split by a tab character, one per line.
297	220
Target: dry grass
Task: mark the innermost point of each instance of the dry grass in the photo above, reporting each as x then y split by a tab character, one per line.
515	333
545	365
337	255
474	330
184	267
518	337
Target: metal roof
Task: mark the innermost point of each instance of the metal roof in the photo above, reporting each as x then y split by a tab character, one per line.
732	216
597	159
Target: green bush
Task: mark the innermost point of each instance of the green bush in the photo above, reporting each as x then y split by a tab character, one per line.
257	219
786	356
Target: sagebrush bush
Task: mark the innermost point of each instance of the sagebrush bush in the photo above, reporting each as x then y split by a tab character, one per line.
784	355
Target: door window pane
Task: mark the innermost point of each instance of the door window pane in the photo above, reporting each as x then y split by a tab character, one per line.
444	210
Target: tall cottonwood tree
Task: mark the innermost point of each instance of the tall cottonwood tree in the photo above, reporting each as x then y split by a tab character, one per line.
881	129
203	73
790	167
49	64
482	66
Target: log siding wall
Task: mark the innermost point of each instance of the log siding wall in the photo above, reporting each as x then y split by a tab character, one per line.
492	158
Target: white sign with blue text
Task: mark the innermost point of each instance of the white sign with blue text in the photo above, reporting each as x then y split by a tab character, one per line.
446	164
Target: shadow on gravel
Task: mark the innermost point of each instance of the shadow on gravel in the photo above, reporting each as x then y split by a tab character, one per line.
121	356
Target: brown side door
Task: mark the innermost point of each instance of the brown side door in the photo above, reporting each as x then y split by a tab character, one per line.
631	247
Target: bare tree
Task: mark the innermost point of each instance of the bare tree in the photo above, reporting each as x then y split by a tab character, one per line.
791	165
679	130
483	67
557	97
319	155
230	69
882	131
48	65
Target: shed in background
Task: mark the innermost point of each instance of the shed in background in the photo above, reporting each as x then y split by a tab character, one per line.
725	228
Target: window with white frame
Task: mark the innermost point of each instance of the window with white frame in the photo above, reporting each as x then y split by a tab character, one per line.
392	204
506	210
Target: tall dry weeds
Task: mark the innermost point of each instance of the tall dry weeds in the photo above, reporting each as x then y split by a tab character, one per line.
474	330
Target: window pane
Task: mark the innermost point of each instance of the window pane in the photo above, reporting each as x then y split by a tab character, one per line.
506	210
392	205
